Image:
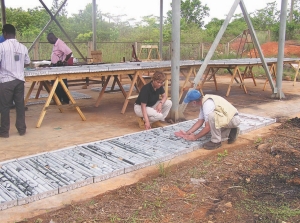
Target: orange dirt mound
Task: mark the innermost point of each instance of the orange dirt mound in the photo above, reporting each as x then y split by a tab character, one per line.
270	49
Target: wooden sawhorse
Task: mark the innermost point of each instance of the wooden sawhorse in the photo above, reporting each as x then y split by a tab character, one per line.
51	91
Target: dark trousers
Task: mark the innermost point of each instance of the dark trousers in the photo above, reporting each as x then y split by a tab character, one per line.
61	94
12	91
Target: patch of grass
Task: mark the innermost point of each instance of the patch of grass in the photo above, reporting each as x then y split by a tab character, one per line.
150	185
195	173
206	163
114	218
133	218
222	155
267	211
258	140
162	168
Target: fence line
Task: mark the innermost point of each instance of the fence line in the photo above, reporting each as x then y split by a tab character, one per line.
113	52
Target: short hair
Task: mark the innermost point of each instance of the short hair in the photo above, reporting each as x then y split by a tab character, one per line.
9	29
159	76
51	34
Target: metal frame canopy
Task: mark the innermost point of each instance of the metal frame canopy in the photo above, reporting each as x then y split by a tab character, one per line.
277	91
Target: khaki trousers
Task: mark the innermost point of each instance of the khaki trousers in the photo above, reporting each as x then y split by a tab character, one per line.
218	135
153	115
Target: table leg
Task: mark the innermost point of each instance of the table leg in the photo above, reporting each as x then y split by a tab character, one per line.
133	83
116	80
297	72
29	92
236	72
102	91
71	99
43	113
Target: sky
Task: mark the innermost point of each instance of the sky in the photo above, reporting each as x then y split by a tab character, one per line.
139	8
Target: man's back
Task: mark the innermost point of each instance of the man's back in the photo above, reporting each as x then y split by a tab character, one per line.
13	56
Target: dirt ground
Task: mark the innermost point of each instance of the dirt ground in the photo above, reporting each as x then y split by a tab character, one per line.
269	49
255	180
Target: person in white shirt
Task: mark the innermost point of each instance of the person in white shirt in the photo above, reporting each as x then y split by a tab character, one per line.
13	57
220	117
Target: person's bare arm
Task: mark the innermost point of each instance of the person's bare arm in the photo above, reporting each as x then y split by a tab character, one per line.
145	115
194	128
68	57
158	108
202	133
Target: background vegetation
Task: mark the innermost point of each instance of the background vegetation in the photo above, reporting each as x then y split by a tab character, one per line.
114	29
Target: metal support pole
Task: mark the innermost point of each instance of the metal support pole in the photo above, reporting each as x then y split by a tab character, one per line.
292	10
61	28
161	29
94	25
283	18
43	30
3	18
175	58
215	43
257	45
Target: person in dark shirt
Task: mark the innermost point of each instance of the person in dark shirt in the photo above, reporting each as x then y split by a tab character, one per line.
149	108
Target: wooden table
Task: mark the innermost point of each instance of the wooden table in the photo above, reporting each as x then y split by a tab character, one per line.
136	71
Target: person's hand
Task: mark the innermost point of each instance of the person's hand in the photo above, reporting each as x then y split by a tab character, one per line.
190	137
180	133
158	107
147	125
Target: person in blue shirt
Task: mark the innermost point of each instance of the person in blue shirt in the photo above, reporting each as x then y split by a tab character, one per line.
2	39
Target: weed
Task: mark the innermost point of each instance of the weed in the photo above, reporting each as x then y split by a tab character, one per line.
195	173
267	210
206	163
114	218
133	218
163	169
258	140
222	155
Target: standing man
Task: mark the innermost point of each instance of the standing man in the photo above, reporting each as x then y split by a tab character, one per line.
220	117
61	53
13	56
149	109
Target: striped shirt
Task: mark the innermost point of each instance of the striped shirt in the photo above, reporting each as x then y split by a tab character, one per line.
13	56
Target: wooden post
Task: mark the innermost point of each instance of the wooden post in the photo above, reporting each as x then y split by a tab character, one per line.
36	51
90	48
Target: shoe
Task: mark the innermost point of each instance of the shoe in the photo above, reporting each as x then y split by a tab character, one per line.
4	136
211	145
157	124
64	103
26	108
234	132
141	123
22	133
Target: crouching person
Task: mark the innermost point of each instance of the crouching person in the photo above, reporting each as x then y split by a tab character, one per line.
220	118
151	110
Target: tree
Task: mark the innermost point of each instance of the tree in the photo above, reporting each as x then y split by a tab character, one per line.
55	6
192	11
266	18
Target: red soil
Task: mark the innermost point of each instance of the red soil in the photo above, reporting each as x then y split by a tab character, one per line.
270	49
